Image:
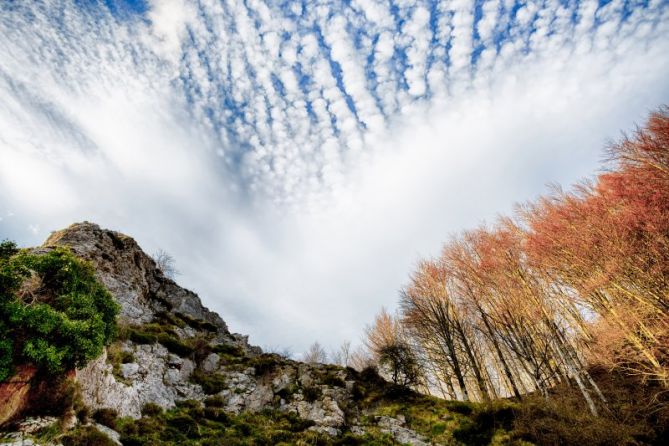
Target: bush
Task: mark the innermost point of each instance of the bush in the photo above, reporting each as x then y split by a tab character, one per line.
561	421
216	414
212	383
265	363
197	324
142	337
333	380
175	345
106	417
481	427
461	407
227	349
53	311
86	436
214	401
151	410
311	393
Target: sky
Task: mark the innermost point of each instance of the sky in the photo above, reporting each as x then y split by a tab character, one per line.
297	158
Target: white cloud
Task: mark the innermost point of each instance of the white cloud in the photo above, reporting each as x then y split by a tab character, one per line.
298	225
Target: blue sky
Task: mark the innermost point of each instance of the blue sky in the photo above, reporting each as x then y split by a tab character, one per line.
298	157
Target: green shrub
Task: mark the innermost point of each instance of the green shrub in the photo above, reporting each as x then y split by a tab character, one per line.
53	311
185	425
212	383
106	417
333	380
216	414
227	349
265	363
151	409
311	393
287	392
175	345
142	337
214	401
461	407
86	436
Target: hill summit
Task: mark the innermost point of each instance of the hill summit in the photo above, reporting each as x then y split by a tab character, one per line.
175	374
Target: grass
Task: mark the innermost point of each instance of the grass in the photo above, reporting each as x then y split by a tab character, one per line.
116	356
86	436
191	424
212	383
162	333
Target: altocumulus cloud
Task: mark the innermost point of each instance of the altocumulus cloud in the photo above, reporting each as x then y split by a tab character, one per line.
298	157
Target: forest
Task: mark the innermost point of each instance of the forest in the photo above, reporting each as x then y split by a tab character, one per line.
562	306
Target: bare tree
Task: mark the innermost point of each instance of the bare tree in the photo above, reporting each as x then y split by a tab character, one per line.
165	263
315	354
394	354
342	356
361	358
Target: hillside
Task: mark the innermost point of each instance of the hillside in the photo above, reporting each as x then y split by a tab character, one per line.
174	374
171	373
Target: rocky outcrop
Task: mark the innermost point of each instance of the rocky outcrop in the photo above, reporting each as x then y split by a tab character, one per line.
157	376
172	349
133	277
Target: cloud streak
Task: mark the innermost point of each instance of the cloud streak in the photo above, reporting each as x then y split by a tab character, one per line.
298	157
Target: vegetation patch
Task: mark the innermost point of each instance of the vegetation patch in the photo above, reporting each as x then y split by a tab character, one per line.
265	363
106	417
227	349
116	356
197	324
212	383
157	333
54	313
86	436
151	409
333	380
311	393
189	424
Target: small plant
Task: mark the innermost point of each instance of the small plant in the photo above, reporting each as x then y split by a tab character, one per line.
106	417
151	410
264	364
214	401
333	380
175	345
228	349
212	383
287	392
86	436
311	393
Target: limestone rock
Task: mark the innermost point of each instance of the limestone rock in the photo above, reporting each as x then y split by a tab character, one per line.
210	363
396	428
112	434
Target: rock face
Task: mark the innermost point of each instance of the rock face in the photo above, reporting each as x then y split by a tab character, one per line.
133	277
15	392
172	348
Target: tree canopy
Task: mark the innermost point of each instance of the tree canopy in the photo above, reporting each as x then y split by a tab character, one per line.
54	313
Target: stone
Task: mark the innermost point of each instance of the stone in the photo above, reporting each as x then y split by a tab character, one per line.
210	363
31	425
331	431
129	370
112	434
395	427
